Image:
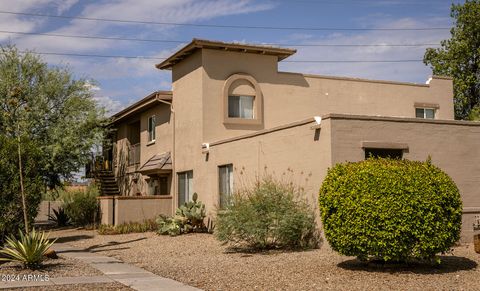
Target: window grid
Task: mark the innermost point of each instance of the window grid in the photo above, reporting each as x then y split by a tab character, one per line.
425	113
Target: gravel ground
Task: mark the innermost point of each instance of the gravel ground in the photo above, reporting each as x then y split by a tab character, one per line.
61	267
199	260
85	287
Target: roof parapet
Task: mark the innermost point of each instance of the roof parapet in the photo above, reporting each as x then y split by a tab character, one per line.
281	53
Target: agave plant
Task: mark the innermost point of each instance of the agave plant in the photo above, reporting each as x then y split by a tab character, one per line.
29	249
60	217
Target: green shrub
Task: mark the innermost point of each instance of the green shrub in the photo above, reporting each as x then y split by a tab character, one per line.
81	207
29	249
169	225
392	210
11	212
269	215
130	227
188	218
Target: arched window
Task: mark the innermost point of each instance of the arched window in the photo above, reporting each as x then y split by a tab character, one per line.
242	100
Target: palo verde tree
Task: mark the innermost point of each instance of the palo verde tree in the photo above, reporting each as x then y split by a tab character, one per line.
48	124
459	58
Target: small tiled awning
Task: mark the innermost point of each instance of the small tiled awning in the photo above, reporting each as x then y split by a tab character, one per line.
159	163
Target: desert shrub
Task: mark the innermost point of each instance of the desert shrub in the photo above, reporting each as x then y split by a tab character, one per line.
272	214
60	217
392	210
130	227
81	206
188	218
29	249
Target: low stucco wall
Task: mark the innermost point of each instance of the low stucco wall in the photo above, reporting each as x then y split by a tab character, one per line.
122	209
303	155
45	208
454	147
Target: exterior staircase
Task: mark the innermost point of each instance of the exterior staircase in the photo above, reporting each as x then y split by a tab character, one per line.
108	184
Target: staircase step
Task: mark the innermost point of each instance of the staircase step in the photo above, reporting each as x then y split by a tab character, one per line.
107	183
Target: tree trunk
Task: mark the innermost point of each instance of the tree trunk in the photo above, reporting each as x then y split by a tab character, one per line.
24	205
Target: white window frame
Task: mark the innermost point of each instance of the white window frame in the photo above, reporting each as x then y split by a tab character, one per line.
151	131
188	186
240	113
425	113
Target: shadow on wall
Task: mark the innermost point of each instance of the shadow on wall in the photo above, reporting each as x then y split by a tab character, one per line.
122	165
450	264
129	184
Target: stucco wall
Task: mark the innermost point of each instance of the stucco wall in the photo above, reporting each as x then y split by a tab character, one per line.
288	97
125	174
118	210
296	154
453	146
46	208
187	86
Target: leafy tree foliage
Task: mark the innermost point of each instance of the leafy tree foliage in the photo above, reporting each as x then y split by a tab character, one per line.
53	116
459	58
11	218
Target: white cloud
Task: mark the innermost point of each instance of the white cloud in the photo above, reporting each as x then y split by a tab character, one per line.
415	71
12	22
64	5
177	11
111	106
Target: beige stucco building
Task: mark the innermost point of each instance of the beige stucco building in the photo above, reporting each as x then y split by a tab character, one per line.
232	116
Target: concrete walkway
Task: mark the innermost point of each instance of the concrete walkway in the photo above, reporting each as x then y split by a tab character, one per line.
114	271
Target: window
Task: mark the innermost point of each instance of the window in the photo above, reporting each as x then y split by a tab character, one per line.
383	153
225	184
158	185
242	101
240	107
185	187
151	128
427	113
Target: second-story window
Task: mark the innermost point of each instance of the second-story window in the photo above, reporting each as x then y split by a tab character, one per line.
240	106
151	128
427	113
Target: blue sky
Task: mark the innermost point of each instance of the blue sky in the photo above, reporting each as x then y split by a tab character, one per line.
122	81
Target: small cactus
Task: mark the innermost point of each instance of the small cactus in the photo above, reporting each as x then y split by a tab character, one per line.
188	217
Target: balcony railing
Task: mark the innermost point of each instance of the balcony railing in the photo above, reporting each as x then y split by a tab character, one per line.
134	154
97	164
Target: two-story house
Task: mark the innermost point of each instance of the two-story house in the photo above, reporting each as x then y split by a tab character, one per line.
232	116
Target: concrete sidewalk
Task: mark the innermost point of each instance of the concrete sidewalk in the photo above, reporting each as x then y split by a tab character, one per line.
114	271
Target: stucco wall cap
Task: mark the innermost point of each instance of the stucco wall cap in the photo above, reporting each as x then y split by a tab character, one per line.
357	79
400	119
281	53
442	77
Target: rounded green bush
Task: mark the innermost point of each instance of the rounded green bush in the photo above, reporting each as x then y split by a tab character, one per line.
392	210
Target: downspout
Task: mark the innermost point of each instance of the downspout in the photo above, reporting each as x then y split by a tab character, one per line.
174	176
